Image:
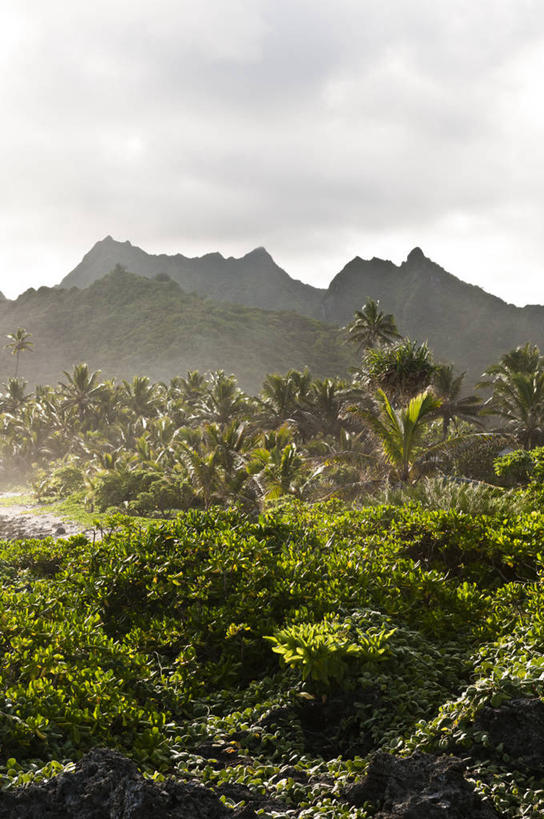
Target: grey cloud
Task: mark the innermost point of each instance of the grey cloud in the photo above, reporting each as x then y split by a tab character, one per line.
315	128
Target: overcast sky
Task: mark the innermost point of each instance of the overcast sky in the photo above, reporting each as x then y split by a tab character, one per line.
321	129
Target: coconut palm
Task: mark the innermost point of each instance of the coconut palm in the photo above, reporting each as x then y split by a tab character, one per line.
203	471
280	398
324	409
519	401
19	342
371	327
82	390
222	402
13	396
278	471
190	388
141	396
522	359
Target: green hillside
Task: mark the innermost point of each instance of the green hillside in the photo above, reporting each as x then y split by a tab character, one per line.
126	324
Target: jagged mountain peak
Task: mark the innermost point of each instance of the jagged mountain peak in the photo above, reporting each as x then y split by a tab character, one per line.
416	256
259	252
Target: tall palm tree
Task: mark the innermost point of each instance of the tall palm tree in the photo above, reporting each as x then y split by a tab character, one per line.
18	342
203	470
371	326
522	359
279	398
222	402
324	410
520	402
14	395
278	471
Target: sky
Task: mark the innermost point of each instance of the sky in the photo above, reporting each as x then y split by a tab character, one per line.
320	129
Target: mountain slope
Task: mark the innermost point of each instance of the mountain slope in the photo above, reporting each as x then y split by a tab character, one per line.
462	323
254	280
126	325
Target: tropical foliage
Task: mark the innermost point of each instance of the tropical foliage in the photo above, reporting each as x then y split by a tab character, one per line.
372	327
319	577
18	342
294	646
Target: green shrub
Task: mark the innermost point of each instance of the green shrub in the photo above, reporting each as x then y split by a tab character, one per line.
323	652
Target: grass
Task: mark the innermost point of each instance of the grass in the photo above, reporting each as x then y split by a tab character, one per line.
73	509
16	496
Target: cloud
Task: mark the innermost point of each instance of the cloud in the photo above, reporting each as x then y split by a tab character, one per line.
317	129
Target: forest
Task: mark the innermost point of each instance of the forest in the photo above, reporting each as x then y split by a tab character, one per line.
321	600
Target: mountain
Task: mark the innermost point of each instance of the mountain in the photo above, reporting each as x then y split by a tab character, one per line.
462	323
126	325
254	280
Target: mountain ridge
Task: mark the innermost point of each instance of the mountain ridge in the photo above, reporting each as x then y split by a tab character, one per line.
254	279
462	322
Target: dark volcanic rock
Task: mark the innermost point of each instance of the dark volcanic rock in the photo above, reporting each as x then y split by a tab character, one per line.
106	784
517	725
419	787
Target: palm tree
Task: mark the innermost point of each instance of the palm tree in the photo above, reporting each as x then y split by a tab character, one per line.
19	342
526	359
371	326
401	432
203	471
520	402
140	395
222	402
517	381
278	471
280	397
190	388
447	386
14	395
82	390
324	410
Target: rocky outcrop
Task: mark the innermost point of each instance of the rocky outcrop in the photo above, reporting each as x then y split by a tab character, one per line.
106	784
418	787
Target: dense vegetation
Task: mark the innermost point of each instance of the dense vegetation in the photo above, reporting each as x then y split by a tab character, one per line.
276	653
127	324
199	440
336	568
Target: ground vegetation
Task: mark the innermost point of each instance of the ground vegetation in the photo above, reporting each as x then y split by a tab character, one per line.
300	603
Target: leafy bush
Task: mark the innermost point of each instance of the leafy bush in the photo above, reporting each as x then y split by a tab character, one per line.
521	467
60	482
324	651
